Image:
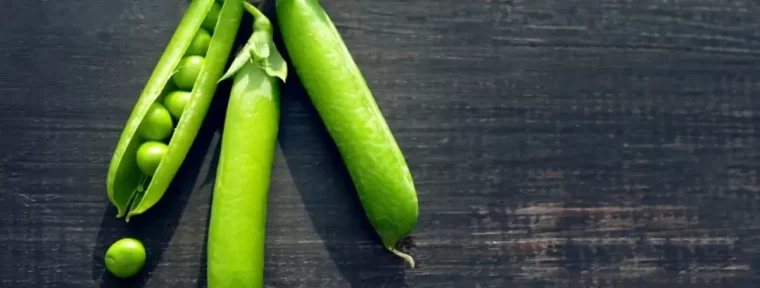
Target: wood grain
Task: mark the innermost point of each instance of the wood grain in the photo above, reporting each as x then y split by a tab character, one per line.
554	144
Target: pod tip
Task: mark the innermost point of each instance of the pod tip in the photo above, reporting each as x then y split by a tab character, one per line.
403	255
129	216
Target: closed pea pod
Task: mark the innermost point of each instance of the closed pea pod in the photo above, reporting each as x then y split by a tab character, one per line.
346	105
130	189
236	235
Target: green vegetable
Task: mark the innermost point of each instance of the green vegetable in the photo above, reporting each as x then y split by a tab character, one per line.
188	71
149	155
209	23
130	189
237	226
125	258
200	43
176	102
157	124
346	105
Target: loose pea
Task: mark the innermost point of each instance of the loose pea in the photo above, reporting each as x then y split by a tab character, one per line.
176	101
149	155
157	124
212	17
125	258
200	43
187	72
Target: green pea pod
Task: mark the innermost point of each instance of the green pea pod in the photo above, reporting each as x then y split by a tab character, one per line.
346	105
239	206
131	191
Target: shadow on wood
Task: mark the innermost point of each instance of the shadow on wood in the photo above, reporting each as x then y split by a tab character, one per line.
210	177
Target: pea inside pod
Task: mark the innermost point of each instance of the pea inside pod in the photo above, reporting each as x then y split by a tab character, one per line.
176	102
200	43
157	124
147	157
212	17
187	71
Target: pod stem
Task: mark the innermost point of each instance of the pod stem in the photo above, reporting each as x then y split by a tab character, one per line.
403	255
253	10
259	49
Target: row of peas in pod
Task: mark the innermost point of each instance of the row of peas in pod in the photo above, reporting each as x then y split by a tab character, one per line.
159	123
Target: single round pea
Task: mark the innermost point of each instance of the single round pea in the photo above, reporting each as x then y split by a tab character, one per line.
125	257
157	124
200	43
209	23
187	72
149	155
176	101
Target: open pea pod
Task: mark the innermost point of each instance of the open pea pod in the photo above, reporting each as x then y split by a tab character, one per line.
134	186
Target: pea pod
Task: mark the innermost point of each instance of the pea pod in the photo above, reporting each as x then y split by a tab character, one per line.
348	109
237	223
129	189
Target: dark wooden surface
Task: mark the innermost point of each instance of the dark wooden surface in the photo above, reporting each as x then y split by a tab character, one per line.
554	143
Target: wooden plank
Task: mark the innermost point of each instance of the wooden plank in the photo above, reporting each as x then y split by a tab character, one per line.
554	144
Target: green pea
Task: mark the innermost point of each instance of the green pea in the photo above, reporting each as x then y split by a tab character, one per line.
130	190
149	155
157	124
176	102
212	17
353	119
187	72
125	258
200	43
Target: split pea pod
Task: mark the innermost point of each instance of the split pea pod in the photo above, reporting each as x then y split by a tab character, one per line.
348	109
237	226
151	148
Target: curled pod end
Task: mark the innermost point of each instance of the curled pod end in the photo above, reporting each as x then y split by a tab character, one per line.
407	258
130	214
135	208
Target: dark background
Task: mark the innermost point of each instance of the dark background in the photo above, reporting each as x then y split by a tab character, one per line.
554	143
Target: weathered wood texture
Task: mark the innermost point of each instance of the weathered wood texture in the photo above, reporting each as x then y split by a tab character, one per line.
555	143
